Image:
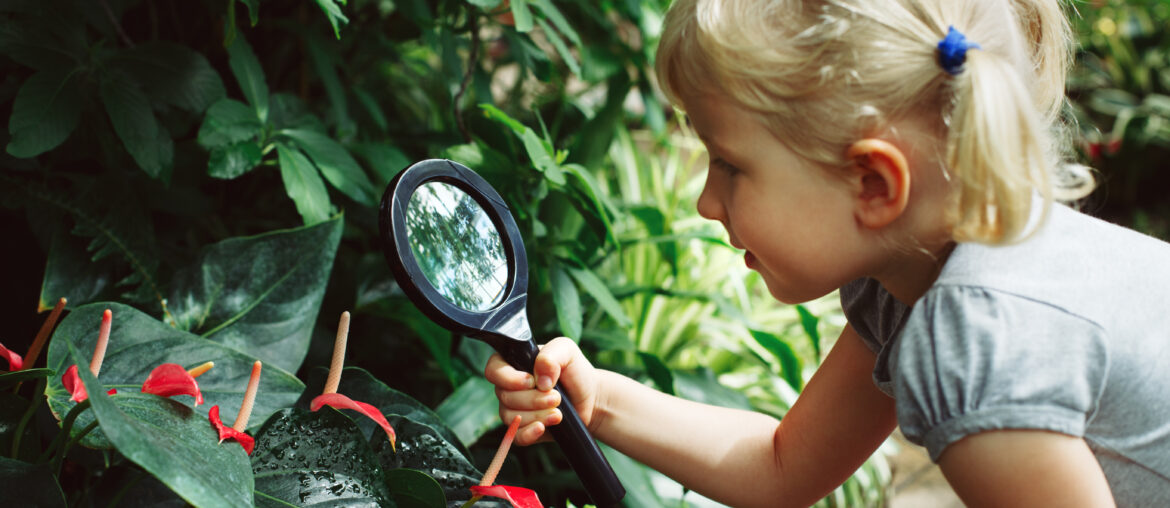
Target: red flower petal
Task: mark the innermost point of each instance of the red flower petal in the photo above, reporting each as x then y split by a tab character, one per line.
72	382
171	379
340	401
15	362
520	497
226	432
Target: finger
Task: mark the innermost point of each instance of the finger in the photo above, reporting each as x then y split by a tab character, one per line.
544	417
528	400
499	373
553	358
531	433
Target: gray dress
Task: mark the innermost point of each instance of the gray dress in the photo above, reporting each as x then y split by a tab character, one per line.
1068	331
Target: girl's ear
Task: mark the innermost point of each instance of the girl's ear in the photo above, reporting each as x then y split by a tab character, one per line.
880	177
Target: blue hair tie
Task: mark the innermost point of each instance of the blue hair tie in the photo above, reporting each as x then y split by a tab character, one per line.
952	51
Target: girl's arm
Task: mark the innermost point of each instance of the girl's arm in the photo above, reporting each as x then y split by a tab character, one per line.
1025	468
736	457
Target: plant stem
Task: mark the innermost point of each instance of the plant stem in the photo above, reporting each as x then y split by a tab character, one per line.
338	355
60	459
38	399
66	427
43	334
249	399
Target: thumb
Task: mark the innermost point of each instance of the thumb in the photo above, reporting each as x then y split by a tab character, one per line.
554	358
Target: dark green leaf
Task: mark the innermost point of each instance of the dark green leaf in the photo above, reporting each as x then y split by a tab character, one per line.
658	372
323	62
421	448
259	294
139	343
386	161
415	489
11	378
250	76
600	292
567	302
130	113
233	161
70	273
809	323
15	409
333	13
316	459
173	74
566	55
372	108
46	110
554	15
303	185
471	410
172	442
253	10
485	4
227	122
25	484
539	152
335	163
789	362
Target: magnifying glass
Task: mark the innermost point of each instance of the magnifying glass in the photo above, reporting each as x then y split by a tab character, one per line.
456	252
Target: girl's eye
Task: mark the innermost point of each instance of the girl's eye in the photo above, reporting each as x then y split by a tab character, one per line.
724	166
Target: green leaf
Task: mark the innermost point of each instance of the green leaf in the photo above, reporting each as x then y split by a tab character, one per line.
809	323
303	185
567	56
253	10
44	113
173	74
8	379
600	292
522	15
421	448
333	13
323	61
233	161
789	362
228	122
658	372
259	294
25	484
567	302
70	273
250	76
335	163
415	489
129	110
172	442
139	343
539	152
386	161
472	410
372	108
554	15
485	4
700	385
316	459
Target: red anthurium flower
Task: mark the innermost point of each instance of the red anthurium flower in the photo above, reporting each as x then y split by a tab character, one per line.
226	432
73	383
519	497
15	362
331	398
171	379
340	401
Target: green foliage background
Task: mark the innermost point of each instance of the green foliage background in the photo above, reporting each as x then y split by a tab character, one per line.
210	170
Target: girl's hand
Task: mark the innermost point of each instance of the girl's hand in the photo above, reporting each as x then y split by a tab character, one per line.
532	396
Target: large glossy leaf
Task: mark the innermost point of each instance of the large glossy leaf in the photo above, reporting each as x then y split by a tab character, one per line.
316	459
303	184
421	448
259	294
71	274
471	410
46	110
172	442
358	384
139	343
415	489
335	163
25	484
129	110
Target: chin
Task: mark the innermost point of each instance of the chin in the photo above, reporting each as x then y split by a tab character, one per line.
794	296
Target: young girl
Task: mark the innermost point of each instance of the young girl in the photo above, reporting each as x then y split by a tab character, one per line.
908	153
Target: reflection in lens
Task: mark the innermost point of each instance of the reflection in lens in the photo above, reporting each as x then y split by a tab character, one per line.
456	245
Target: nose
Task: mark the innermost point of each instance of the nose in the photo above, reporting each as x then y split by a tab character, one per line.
709	205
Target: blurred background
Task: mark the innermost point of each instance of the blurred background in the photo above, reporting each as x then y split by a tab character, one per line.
141	131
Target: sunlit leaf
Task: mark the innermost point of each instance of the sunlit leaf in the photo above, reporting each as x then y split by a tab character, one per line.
601	294
567	302
472	410
335	163
522	15
790	366
333	13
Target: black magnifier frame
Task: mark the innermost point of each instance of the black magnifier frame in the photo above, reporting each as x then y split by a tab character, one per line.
504	325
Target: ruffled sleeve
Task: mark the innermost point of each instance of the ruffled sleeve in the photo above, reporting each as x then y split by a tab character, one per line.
971	360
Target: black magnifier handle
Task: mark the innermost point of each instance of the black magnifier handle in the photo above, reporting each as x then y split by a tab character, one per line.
580	449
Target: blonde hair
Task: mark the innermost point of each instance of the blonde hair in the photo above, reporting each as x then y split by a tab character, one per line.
822	74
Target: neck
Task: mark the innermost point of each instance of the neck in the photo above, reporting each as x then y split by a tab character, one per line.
909	276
